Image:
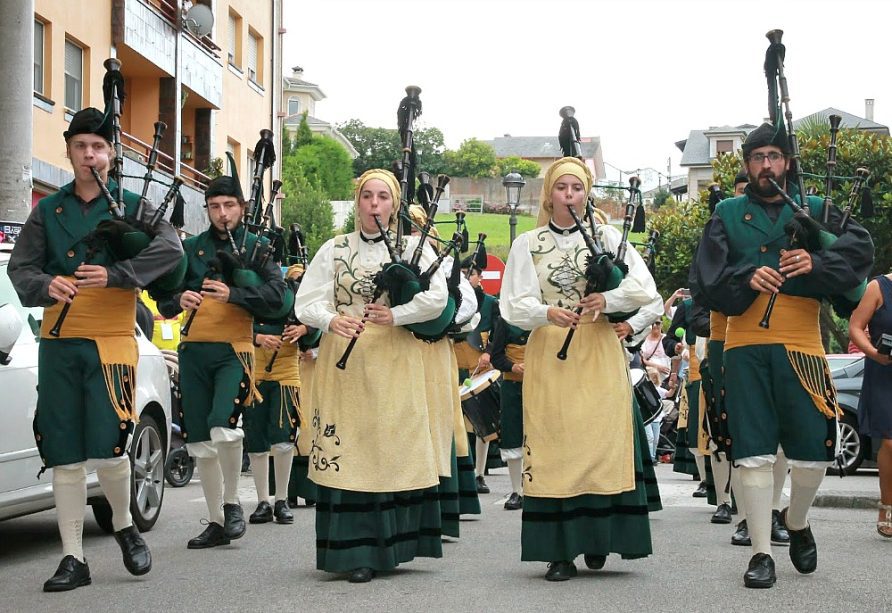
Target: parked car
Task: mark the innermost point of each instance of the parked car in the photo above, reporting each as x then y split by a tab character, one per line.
847	370
21	491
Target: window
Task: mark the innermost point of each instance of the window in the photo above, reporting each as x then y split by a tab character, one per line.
74	76
254	47
38	56
724	146
233	43
293	106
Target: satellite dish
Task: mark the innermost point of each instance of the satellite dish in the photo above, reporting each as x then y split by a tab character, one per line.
199	20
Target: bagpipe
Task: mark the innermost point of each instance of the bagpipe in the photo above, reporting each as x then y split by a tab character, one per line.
296	253
803	230
604	270
401	279
128	232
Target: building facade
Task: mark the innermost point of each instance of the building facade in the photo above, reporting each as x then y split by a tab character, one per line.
209	69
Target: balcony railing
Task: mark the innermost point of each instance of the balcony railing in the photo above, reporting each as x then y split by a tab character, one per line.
137	150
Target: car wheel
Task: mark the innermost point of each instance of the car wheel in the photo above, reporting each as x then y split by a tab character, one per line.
850	443
147	479
178	468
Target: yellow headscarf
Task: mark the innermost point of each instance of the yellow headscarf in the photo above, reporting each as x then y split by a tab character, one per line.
419	218
564	166
389	180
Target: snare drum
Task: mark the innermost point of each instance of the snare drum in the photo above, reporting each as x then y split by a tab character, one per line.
480	404
647	395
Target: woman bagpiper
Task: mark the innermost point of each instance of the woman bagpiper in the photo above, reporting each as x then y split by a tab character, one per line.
584	490
372	455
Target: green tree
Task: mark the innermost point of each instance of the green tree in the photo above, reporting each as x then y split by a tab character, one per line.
325	164
513	163
307	204
380	147
473	159
304	135
680	226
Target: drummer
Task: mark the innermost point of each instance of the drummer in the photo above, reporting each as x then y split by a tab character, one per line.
581	449
488	308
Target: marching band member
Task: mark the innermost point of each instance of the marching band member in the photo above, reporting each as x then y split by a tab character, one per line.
372	455
584	490
217	378
273	423
777	383
79	420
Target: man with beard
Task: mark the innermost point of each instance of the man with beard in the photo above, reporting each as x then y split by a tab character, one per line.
777	382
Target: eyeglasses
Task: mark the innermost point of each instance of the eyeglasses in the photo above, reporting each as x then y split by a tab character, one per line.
773	156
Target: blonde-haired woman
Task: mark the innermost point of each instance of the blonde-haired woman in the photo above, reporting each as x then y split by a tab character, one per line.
372	455
584	490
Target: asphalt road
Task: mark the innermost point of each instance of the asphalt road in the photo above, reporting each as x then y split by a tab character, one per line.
694	567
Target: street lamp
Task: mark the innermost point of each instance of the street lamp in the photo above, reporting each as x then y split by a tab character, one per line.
513	183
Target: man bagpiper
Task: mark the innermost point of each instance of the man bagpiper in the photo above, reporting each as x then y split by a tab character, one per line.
217	378
87	367
777	381
273	423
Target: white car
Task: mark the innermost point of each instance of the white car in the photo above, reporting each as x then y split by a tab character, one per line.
21	491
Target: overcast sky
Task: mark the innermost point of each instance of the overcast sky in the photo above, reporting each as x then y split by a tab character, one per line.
640	73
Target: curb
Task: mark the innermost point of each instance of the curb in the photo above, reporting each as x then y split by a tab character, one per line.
846	501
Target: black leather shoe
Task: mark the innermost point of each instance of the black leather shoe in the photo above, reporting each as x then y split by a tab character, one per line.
722	514
234	520
71	574
361	575
560	571
213	536
137	557
514	502
595	562
701	490
760	573
779	533
282	513
803	549
263	514
482	488
742	535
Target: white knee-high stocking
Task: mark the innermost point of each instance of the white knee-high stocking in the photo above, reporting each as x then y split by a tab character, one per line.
282	468
260	471
804	484
212	485
70	493
756	487
481	450
114	477
721	469
230	456
515	471
701	465
780	477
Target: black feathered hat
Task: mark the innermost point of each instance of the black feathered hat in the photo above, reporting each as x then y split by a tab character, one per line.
90	121
226	186
741	177
764	135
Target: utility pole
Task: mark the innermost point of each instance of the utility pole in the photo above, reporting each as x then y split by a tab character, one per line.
17	59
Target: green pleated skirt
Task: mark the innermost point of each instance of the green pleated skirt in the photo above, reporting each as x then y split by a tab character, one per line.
376	530
449	505
554	529
468	501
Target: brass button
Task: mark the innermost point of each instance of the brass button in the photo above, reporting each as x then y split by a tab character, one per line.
728	441
763	248
724	416
232	420
185	435
242	385
37	438
70	253
291	437
117	451
201	252
747	217
237	401
123	425
58	209
829	443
